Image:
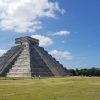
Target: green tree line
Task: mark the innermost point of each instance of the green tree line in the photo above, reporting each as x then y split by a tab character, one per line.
85	72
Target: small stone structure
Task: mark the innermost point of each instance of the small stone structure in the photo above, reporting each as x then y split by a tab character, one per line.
28	59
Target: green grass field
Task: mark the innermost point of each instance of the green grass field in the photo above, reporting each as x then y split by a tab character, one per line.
65	88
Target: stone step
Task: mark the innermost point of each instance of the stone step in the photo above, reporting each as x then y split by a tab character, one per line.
23	59
25	53
21	62
19	74
20	66
17	69
20	71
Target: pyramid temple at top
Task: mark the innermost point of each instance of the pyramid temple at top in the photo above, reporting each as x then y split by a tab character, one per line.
27	59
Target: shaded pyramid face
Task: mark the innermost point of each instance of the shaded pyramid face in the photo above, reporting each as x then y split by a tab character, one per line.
27	59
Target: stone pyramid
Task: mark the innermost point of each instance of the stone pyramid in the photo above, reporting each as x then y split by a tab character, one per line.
27	59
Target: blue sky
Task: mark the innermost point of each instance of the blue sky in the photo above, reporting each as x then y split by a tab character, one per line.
77	20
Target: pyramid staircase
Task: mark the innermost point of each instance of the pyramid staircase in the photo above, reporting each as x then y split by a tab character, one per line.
21	67
27	59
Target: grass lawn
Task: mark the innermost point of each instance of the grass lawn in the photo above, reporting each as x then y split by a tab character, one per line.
65	88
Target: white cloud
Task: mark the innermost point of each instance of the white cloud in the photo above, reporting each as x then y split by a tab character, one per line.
62	33
25	15
2	51
43	40
61	54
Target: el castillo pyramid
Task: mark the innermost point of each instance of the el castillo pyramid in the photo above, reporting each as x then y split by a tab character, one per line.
27	59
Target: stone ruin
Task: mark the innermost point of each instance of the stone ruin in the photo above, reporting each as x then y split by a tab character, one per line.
28	59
